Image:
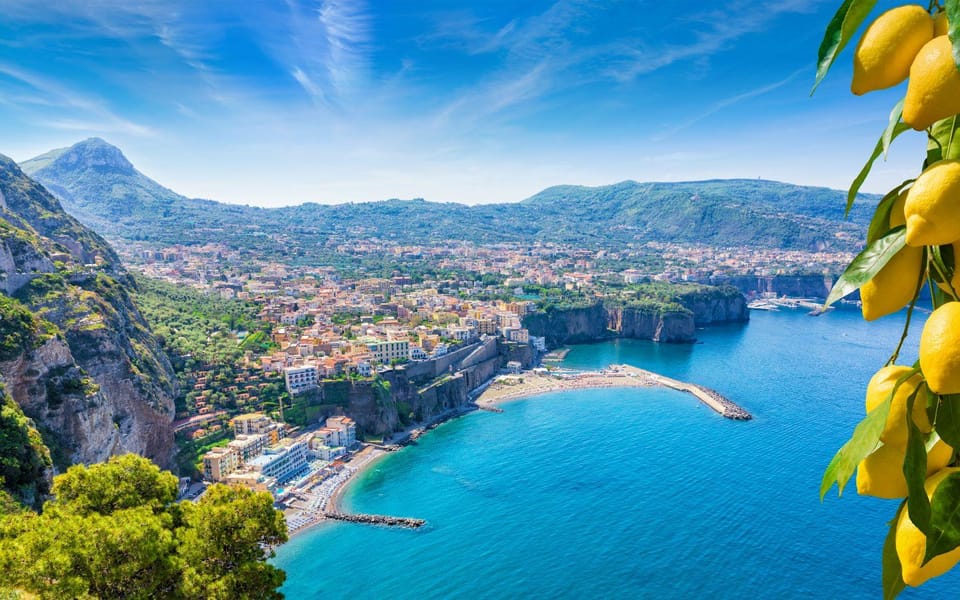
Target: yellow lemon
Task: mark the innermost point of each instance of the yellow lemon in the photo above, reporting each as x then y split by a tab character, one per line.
881	385
894	286
932	209
934	89
912	544
940	349
940	24
888	46
881	473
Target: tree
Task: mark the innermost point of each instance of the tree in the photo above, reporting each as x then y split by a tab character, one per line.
222	545
114	530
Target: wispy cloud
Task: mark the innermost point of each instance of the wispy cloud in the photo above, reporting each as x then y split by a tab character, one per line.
727	103
325	48
94	114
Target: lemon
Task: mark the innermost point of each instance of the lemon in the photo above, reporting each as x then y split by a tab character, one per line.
879	389
881	473
894	286
940	24
932	209
940	349
912	544
886	50
934	89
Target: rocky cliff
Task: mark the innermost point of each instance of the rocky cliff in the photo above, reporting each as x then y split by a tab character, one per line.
795	286
77	356
386	405
673	317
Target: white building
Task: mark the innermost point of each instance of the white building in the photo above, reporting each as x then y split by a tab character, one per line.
460	333
539	343
417	353
364	369
300	379
346	430
384	352
281	462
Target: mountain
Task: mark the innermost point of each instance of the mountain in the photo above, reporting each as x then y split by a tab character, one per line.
76	356
100	186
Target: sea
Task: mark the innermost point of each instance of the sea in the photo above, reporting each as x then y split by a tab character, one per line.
635	492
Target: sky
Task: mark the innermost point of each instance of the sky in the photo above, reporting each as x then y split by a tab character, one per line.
276	103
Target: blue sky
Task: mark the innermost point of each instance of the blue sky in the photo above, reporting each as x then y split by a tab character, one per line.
283	102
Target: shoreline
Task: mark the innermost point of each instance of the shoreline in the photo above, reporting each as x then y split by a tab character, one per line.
500	390
534	384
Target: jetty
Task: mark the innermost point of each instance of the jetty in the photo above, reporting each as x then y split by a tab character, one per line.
376	520
712	398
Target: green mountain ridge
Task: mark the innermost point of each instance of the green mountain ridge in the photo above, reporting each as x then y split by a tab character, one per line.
102	188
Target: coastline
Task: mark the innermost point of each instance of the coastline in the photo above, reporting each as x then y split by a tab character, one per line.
499	390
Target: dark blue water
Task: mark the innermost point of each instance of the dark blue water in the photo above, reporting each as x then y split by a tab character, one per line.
634	492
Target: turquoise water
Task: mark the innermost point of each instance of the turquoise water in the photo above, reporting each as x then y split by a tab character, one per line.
634	492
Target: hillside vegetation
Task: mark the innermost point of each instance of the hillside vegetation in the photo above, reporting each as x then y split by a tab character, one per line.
99	185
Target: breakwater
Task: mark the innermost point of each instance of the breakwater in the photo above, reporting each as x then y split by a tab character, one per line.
712	398
376	520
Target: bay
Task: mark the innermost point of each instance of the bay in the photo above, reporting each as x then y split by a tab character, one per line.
635	492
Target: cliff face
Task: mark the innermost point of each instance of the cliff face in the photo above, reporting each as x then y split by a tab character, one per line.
675	320
651	325
81	362
383	407
577	325
795	286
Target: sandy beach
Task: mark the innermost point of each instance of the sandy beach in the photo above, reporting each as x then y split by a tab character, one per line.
531	384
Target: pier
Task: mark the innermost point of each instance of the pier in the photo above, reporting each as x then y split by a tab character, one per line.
376	520
723	406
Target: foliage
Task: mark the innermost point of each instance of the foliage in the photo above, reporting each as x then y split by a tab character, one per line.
23	456
20	330
114	531
936	516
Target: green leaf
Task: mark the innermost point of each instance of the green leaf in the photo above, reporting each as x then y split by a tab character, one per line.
863	442
953	16
884	141
915	469
892	573
880	223
887	138
944	517
838	34
948	419
867	264
945	132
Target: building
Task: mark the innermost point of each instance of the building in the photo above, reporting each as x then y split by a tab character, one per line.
364	369
220	462
460	334
514	367
539	343
300	379
346	430
248	446
258	423
517	335
417	353
384	352
282	462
